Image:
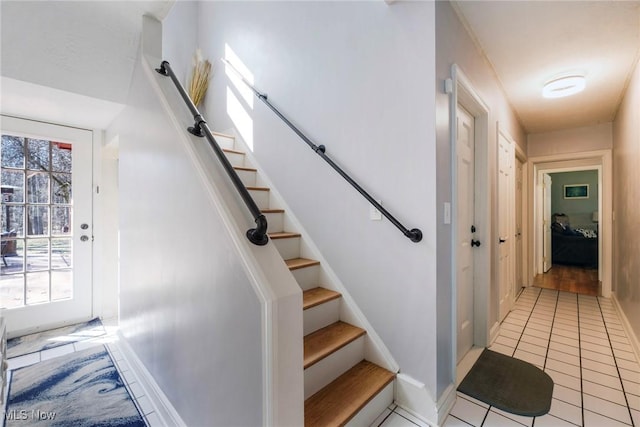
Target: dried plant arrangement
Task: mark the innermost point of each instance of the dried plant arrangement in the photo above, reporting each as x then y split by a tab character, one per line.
199	78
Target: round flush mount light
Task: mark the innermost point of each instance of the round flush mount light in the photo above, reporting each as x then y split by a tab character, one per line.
563	86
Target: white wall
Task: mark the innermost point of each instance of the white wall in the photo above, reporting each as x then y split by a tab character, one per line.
455	46
626	158
580	211
587	138
188	308
179	38
108	245
357	77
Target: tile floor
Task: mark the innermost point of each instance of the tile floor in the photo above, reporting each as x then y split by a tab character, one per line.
580	342
144	405
394	416
577	339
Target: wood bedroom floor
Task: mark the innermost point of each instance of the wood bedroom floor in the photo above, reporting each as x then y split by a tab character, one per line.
569	278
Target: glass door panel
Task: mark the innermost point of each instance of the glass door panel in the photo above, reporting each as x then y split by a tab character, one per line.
39	285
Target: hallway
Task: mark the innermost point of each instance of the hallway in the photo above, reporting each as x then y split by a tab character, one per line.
580	342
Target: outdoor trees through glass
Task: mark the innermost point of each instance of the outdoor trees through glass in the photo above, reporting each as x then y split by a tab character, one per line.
36	212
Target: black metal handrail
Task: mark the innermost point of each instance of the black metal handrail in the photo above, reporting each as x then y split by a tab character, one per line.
414	234
258	235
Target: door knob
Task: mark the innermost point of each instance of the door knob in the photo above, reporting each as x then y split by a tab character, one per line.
475	242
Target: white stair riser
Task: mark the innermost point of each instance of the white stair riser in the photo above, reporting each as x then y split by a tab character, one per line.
236	159
248	178
307	277
275	221
376	406
321	315
261	198
331	367
224	141
288	248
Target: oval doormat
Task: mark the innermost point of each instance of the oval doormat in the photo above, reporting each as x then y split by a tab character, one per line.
510	384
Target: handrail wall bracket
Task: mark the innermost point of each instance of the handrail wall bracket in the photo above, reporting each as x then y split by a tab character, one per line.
257	236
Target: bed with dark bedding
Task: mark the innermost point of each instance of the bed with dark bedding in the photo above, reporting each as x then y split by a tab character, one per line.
573	246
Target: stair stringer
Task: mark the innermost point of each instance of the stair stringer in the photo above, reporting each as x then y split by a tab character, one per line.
279	295
374	349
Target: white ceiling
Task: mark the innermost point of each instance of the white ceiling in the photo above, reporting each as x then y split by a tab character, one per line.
45	43
530	42
70	55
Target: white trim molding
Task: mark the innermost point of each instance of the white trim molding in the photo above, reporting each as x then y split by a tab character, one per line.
161	404
633	338
413	396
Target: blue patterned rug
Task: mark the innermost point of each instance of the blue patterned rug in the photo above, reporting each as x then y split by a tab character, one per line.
80	389
45	340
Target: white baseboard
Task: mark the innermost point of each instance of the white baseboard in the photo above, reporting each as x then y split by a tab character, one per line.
493	333
413	397
163	408
633	338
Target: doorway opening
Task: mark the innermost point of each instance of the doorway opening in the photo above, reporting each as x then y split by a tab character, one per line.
571	206
572	223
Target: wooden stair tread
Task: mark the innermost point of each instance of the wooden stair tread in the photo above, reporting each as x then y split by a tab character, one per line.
243	168
229	150
317	296
339	401
224	135
258	188
265	211
296	263
325	341
283	235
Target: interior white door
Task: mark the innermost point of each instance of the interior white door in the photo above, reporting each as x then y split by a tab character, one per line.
46	277
506	233
519	282
546	222
465	155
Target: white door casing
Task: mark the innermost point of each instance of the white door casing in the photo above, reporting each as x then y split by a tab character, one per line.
465	155
601	160
546	223
519	252
77	304
506	224
485	326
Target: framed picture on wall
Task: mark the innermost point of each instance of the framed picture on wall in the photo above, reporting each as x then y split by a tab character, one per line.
576	191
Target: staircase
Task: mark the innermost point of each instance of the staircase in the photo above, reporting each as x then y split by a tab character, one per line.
340	386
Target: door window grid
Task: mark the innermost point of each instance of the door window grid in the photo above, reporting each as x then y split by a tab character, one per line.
36	198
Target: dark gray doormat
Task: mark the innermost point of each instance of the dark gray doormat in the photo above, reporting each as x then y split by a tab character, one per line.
509	384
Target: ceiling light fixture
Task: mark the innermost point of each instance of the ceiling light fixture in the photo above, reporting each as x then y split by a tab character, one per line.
563	86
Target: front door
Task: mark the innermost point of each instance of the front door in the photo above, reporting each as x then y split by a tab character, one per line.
46	225
465	162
